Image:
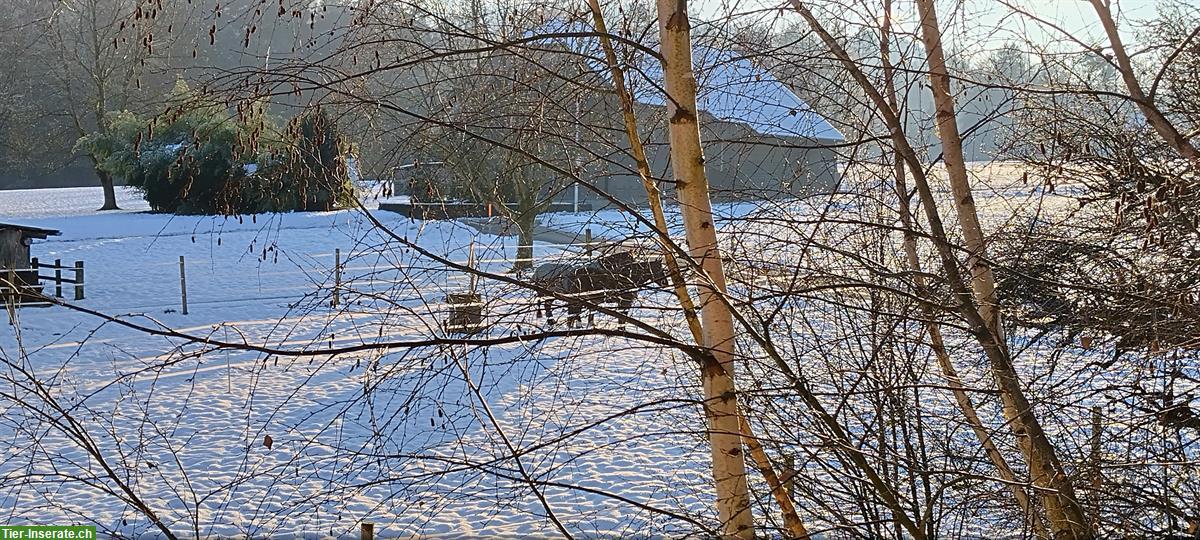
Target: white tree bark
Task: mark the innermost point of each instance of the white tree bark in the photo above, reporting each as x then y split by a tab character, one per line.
1065	516
936	342
717	372
1062	508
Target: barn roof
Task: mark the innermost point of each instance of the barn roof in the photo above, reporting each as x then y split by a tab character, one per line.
30	231
730	86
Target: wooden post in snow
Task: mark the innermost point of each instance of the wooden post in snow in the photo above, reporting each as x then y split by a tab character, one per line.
10	299
337	275
35	265
367	531
587	240
182	286
58	278
474	279
78	280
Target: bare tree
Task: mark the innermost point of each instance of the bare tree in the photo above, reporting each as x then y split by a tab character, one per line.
717	376
1026	368
96	54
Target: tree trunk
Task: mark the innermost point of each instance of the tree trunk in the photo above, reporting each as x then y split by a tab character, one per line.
1062	508
982	280
106	182
936	342
653	195
1157	120
717	371
794	526
938	345
525	223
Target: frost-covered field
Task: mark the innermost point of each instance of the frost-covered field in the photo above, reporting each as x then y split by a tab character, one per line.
410	439
40	203
454	439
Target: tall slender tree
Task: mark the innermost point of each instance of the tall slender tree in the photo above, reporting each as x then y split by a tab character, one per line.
691	184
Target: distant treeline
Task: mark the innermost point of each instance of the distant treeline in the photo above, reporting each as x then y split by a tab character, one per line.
67	64
77	173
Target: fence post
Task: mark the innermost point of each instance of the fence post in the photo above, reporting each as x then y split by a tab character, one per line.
58	278
587	240
11	298
367	532
337	275
471	264
78	280
36	286
182	286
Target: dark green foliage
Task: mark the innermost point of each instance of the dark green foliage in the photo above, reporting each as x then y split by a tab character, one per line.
187	175
311	173
205	161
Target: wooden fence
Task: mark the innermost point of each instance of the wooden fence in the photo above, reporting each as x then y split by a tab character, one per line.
58	279
22	286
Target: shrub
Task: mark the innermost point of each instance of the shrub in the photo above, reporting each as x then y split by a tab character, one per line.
202	160
310	171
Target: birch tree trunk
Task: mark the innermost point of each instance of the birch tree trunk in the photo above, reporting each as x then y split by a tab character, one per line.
936	342
1065	517
1062	507
717	371
794	526
982	280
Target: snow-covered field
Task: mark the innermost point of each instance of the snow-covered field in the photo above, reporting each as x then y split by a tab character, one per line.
326	416
64	202
416	440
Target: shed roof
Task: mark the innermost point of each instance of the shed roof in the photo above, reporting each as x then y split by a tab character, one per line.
30	231
730	87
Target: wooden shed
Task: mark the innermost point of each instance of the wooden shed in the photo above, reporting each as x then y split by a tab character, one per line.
14	252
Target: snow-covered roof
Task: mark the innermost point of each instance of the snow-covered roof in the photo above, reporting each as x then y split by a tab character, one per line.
30	231
734	89
730	87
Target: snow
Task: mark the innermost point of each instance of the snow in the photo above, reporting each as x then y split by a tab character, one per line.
397	437
735	90
16	204
410	438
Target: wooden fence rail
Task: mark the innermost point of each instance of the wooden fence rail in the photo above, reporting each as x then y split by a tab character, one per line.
33	277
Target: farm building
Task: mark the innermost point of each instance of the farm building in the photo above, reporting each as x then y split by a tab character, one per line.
15	254
762	141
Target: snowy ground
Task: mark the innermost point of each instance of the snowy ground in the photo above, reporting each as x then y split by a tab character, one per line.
421	440
40	203
398	437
